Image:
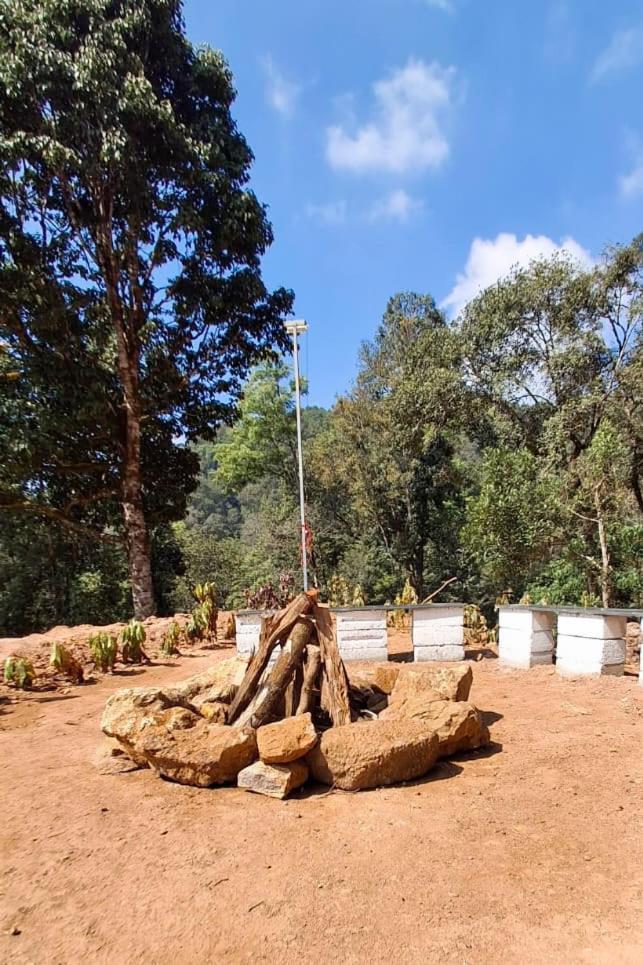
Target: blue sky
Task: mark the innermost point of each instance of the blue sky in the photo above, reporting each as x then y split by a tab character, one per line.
429	145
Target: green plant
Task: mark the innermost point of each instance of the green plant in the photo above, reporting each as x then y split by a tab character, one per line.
170	642
65	663
19	671
408	597
204	592
104	650
358	596
132	640
476	631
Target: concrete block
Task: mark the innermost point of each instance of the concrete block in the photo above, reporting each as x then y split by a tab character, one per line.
527	619
595	626
437	633
439	616
379	654
361	634
421	654
525	637
589	655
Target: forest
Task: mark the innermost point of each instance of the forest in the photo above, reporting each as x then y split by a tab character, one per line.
502	450
147	437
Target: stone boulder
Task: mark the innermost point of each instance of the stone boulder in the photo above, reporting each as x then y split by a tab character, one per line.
370	754
273	780
110	758
218	683
129	712
448	683
382	676
189	750
286	740
458	724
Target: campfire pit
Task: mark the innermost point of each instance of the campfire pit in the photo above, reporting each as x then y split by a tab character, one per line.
270	724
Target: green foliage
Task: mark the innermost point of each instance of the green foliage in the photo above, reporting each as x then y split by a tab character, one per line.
64	662
104	650
130	249
171	639
511	521
132	640
20	672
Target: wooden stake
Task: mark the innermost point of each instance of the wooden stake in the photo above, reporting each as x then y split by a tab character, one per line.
280	626
334	672
290	657
309	683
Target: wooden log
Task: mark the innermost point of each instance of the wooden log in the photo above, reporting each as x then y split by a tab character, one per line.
267	710
310	678
334	673
293	693
280	626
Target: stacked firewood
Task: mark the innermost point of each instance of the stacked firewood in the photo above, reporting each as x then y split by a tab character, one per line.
308	675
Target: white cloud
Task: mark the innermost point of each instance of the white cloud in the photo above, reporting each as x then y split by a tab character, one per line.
396	206
631	185
624	50
329	213
492	259
281	93
406	133
446	5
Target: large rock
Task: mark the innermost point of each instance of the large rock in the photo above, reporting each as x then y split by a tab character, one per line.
218	683
274	780
383	676
358	756
448	683
458	724
129	712
190	750
286	740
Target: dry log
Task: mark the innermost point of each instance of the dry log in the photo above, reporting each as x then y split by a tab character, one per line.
334	673
293	693
280	626
309	683
290	657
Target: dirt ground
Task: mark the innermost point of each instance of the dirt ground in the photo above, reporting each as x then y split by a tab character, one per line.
531	851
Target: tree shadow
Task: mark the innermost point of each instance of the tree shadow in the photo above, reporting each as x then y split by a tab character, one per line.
129	672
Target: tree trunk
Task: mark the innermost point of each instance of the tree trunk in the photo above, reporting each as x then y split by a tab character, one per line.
606	583
136	533
127	325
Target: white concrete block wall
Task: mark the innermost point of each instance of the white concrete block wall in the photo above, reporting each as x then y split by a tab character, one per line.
361	634
438	633
590	643
248	631
525	637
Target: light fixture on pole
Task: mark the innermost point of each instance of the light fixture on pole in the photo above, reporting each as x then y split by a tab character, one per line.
295	328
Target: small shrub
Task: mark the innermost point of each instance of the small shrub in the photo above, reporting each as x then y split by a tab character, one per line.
476	631
132	640
358	596
271	597
20	672
65	663
170	642
104	650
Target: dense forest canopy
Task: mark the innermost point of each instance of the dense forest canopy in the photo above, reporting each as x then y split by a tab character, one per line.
132	299
147	424
503	448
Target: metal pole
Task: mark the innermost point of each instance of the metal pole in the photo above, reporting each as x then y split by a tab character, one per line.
295	328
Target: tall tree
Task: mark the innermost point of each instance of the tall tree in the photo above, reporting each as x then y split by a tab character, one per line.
130	246
395	453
